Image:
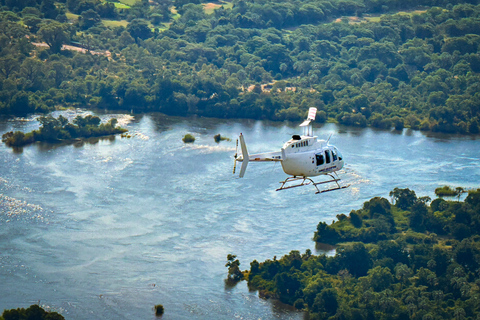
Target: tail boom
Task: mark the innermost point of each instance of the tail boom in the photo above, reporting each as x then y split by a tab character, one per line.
245	158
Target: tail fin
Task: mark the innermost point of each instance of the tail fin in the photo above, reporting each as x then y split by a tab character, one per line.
244	156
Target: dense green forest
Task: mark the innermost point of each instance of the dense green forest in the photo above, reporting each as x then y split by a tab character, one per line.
360	62
414	259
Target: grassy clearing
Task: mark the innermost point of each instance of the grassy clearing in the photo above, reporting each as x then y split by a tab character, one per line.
228	5
72	16
119	5
175	14
210	7
407	13
115	23
372	19
129	2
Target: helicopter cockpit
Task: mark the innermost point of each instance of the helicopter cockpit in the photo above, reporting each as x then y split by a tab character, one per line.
328	156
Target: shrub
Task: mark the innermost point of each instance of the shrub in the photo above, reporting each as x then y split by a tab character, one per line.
445	191
159	310
356	219
219	138
188	138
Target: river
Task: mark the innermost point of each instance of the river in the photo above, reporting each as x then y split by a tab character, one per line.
109	228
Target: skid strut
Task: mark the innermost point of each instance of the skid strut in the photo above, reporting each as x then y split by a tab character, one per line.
307	181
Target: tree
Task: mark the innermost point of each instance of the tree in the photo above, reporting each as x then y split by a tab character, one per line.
59	72
234	273
418	215
50	127
138	28
32	22
88	19
21	105
125	40
32	71
380	278
55	34
326	301
355	259
8	65
404	198
49	9
377	206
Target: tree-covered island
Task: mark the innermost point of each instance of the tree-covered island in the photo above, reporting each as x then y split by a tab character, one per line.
34	312
382	63
413	259
60	129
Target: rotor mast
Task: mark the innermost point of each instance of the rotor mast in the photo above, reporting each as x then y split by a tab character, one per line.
307	125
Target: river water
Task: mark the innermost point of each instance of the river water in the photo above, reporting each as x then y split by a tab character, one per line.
108	229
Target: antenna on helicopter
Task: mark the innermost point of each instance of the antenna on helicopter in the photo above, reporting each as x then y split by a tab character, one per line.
329	137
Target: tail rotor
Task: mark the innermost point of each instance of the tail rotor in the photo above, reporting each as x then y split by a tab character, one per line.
244	158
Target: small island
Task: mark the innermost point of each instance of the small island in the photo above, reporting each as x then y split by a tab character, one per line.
411	258
60	129
34	312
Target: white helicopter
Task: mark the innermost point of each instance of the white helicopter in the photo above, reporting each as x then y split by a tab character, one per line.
301	157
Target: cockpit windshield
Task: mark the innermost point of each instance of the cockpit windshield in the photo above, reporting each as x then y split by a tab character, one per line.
337	154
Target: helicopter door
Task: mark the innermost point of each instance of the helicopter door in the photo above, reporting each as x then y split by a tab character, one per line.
327	156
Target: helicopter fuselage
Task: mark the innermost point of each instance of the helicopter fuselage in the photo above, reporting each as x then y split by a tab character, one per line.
308	157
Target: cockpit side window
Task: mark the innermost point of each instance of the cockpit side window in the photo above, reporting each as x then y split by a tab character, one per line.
334	154
327	156
319	158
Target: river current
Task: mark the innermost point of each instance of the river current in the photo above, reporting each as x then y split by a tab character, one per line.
109	228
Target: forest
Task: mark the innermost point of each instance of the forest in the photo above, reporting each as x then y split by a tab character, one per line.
381	63
407	258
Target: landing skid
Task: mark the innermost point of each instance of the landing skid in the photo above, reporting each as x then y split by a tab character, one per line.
307	181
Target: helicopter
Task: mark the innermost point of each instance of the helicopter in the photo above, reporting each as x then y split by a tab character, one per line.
302	157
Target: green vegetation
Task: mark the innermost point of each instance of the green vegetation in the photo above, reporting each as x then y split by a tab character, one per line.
58	129
219	138
188	138
409	260
234	272
357	61
159	310
129	2
446	191
34	312
115	23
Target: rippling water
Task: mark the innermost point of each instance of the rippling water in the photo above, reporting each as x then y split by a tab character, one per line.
109	228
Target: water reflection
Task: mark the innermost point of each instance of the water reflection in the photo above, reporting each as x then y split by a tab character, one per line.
77	143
